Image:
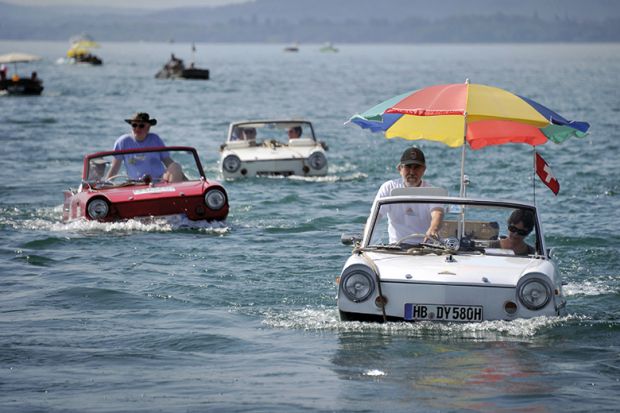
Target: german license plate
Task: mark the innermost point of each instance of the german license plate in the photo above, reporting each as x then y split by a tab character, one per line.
442	312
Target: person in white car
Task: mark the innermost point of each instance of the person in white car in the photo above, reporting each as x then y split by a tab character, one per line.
404	220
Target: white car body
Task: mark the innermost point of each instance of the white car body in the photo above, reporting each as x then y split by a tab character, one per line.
469	280
271	153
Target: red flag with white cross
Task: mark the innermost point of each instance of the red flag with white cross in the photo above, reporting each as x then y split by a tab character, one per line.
544	173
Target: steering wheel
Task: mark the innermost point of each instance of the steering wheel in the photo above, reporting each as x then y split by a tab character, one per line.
111	179
433	243
414	235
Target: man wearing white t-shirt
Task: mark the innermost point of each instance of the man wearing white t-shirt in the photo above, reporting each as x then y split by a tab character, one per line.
407	219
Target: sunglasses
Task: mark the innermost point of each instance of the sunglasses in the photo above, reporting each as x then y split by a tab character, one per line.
522	232
138	125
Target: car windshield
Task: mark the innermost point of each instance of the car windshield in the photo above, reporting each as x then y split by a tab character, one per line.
142	167
466	228
262	132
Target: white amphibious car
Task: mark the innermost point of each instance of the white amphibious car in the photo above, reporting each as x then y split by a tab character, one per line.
271	148
463	276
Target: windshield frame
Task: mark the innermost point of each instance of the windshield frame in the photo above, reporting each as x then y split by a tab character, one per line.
281	125
170	149
374	218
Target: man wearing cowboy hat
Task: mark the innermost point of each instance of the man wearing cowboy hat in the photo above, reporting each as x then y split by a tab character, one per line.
137	165
414	219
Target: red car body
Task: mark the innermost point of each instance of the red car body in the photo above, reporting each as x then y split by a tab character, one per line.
108	201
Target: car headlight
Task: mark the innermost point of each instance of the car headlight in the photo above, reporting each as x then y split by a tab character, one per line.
534	293
317	160
215	199
357	283
231	163
98	208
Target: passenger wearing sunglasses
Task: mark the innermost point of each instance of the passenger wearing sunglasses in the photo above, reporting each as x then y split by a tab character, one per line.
520	225
159	165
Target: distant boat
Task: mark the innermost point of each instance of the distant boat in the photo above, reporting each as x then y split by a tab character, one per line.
81	50
292	48
175	69
16	85
329	47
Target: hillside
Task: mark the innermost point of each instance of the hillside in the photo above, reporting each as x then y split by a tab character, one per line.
342	21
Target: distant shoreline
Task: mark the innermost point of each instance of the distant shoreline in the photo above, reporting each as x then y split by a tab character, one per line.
319	21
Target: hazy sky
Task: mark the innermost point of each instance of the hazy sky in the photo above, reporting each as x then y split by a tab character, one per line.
128	4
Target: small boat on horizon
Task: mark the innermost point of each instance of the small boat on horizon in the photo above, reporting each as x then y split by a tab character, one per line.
81	51
329	47
292	48
175	69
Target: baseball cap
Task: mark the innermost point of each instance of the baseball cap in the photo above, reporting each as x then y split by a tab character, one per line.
413	156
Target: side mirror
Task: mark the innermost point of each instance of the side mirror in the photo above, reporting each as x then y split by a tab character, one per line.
350	238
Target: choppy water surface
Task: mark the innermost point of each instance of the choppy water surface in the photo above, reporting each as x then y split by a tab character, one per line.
241	316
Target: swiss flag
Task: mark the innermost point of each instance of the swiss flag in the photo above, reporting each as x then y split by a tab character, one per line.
544	173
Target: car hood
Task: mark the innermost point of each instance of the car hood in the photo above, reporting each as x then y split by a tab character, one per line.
157	191
456	269
263	153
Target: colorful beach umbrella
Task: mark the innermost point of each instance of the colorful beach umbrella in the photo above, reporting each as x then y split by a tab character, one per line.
477	114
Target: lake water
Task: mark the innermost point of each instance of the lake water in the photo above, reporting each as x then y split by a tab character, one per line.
242	316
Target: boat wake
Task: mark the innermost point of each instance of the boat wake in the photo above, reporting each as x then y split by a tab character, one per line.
151	224
330	178
47	219
590	288
328	319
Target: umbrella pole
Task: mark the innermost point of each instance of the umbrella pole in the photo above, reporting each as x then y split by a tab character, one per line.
534	174
462	191
461	226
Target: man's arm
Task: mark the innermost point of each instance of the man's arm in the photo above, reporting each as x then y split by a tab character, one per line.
114	167
167	161
436	220
174	171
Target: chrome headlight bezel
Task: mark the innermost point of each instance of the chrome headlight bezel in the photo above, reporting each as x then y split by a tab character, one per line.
215	199
357	283
231	163
97	208
317	160
534	292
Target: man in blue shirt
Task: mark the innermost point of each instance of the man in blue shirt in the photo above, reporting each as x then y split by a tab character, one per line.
157	165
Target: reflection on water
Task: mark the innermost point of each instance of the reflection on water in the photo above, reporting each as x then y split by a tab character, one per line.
458	375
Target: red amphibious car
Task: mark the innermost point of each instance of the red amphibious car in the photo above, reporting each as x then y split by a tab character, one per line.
142	187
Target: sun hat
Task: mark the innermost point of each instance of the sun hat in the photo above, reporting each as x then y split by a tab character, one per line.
142	117
413	156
